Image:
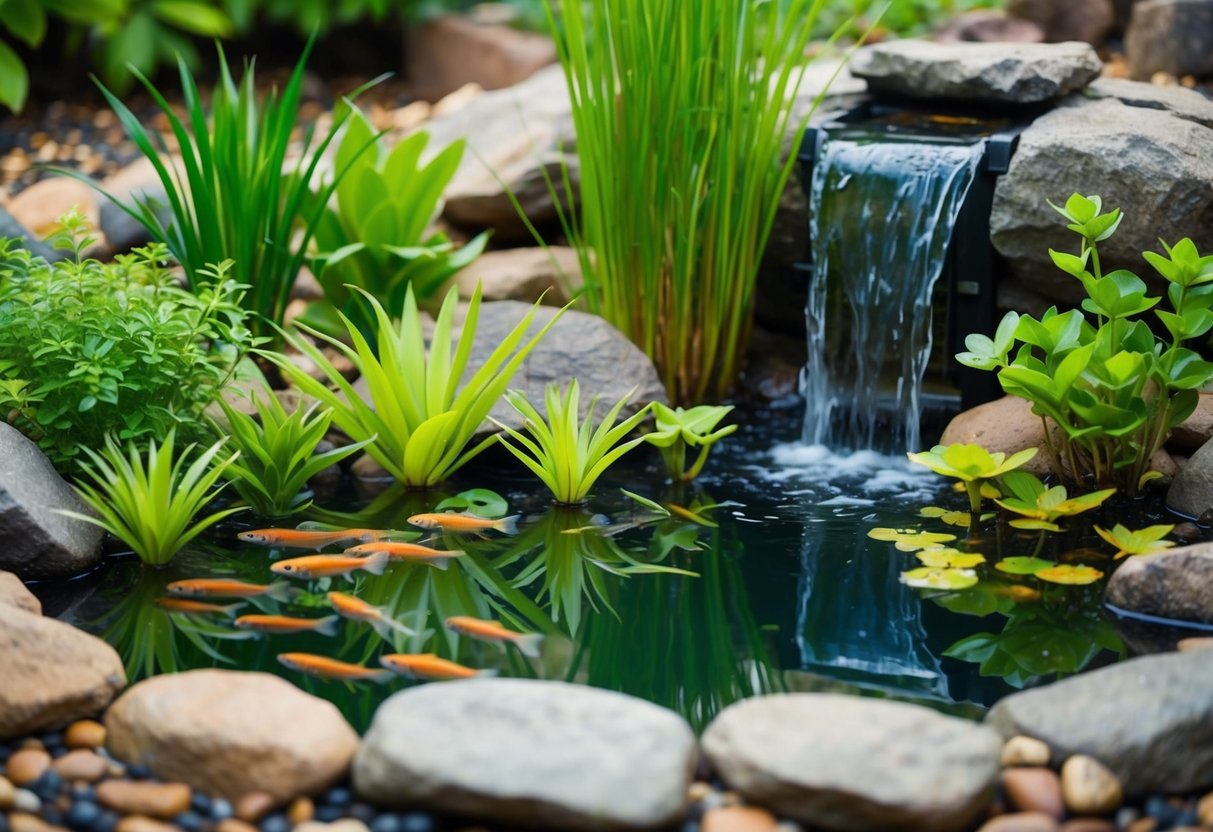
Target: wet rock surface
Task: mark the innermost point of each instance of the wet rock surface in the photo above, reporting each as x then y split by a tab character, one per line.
849	763
1173	36
39	542
1176	584
1149	719
1017	73
52	673
14	593
542	754
1005	425
1066	20
230	733
1191	493
524	274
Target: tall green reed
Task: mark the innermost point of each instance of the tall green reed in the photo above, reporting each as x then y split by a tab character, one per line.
681	111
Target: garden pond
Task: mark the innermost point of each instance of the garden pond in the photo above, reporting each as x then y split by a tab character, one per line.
761	577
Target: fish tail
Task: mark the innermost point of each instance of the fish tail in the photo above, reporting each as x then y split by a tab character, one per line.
230	609
383	676
487	673
529	644
280	591
328	625
439	563
375	564
508	525
399	626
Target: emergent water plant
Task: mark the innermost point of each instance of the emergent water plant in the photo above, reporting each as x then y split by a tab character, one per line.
972	464
1113	389
678	430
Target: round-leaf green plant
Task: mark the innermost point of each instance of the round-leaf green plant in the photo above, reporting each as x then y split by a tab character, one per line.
971	464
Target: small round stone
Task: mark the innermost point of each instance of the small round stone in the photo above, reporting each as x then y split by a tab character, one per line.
301	810
1142	825
690	826
417	822
234	825
1204	810
8	794
328	813
338	796
200	802
738	819
1020	822
155	800
27	822
83	814
1034	790
1088	825
1185	645
53	742
221	809
27	765
252	806
139	823
364	812
107	822
190	821
276	822
81	765
136	771
1024	751
48	785
387	822
1089	787
86	733
26	801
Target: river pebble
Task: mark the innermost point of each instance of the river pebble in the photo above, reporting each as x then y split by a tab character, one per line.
234	825
1034	790
253	806
8	793
81	764
27	765
162	801
1021	822
84	733
139	823
1024	751
1090	787
27	822
26	801
738	819
1088	825
301	810
1204	810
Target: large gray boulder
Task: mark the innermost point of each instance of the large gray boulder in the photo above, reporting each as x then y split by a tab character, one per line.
851	763
1191	492
517	751
1139	152
1016	73
1149	719
36	542
1176	584
1172	36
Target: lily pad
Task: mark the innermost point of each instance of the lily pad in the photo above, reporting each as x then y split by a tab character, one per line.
926	577
942	557
952	518
1023	565
1032	523
910	540
1070	574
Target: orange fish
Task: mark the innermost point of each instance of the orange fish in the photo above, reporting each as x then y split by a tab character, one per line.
192	607
348	606
464	522
325	566
528	643
326	626
228	588
429	666
407	551
326	668
309	539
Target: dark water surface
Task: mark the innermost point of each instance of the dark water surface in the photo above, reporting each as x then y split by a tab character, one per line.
788	592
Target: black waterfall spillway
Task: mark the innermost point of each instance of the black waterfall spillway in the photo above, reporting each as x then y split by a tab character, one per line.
883	205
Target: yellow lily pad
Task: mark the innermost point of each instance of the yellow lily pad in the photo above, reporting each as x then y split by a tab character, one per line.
952	518
926	577
942	557
1070	574
1023	565
1033	523
1019	593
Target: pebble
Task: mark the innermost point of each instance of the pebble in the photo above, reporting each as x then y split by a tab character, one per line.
83	813
1201	643
27	765
86	733
235	825
157	800
1034	790
1143	825
1020	822
81	764
1024	751
343	825
1089	787
8	794
27	822
139	823
26	801
738	819
301	810
1088	825
1204	810
417	822
252	806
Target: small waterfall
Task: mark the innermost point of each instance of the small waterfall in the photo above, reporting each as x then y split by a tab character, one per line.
883	209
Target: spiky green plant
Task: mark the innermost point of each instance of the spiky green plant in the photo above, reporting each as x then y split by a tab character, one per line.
678	430
150	502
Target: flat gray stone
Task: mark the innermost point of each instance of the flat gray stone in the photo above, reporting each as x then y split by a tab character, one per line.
852	763
1149	719
36	542
1191	492
519	751
1018	73
1176	584
1172	36
1180	102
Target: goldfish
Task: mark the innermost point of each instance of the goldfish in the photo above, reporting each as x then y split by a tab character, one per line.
326	626
348	606
325	668
528	643
228	588
192	607
309	539
324	566
464	522
429	666
407	551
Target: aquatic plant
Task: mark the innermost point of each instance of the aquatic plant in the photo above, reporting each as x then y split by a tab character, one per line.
226	191
422	412
1147	541
681	112
89	349
566	453
1040	507
278	453
153	502
678	430
376	236
972	464
1113	388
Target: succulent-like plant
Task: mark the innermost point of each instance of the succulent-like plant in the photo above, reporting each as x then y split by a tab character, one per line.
1147	541
1040	507
678	430
971	464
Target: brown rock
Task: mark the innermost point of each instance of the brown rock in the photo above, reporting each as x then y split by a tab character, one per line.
141	797
1088	825
1024	751
27	765
228	733
524	274
301	810
1203	643
1204	810
14	593
1089	787
82	677
989	26
235	825
1196	430
1034	790
138	823
1004	425
81	764
85	733
1143	825
26	822
252	806
1170	36
1175	584
341	825
1063	20
40	206
738	819
8	794
1020	822
452	50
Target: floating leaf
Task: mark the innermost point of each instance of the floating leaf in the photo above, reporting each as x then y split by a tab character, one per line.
910	540
941	557
1028	523
952	518
1019	593
926	577
1023	565
1070	574
1147	541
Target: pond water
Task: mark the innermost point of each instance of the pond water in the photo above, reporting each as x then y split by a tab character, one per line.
778	588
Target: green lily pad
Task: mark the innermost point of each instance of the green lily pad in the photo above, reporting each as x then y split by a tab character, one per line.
952	518
1023	565
941	557
1032	523
1070	574
926	577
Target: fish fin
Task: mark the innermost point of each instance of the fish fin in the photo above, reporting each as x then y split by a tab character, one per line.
439	563
375	564
528	645
400	627
508	525
230	609
383	676
328	625
488	672
281	591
